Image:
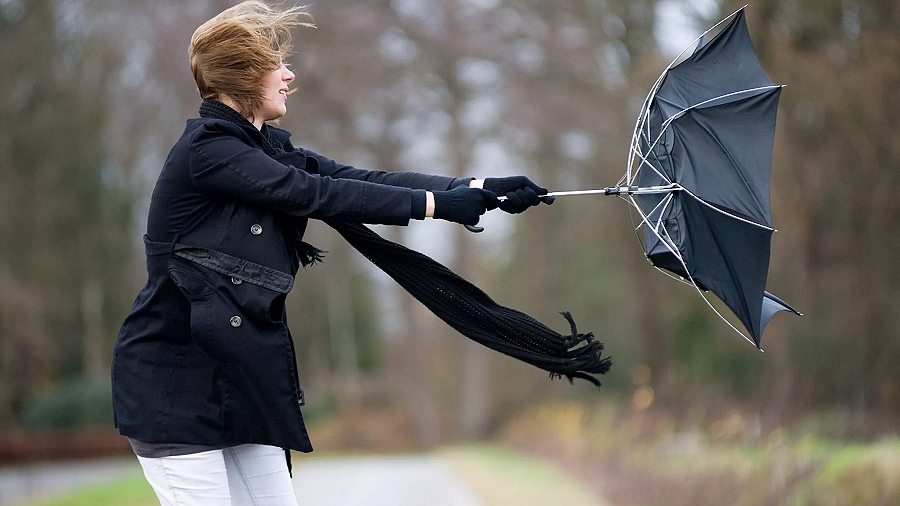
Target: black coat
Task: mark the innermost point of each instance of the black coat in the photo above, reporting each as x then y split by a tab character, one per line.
205	356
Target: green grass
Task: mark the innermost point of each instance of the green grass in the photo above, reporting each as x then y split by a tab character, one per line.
502	477
132	491
853	474
687	459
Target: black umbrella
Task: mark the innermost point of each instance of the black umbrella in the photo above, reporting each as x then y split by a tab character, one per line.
705	134
698	174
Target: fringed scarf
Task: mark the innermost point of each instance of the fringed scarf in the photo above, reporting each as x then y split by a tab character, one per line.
454	300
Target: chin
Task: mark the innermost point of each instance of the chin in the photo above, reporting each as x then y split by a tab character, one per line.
275	115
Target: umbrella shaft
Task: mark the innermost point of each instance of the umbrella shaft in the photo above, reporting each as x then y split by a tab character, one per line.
641	190
615	190
619	190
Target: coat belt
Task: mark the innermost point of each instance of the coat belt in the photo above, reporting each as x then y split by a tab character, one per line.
224	263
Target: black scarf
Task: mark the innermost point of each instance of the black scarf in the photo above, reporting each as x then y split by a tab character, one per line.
451	298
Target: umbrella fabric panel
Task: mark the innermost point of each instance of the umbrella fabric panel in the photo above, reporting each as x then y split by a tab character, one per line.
730	258
771	305
724	154
728	63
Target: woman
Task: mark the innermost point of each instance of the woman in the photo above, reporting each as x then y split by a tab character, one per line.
204	379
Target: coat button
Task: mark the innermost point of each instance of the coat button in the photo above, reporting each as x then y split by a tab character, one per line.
256	229
236	321
235	280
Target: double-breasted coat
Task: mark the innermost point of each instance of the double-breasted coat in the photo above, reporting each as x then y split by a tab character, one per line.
205	355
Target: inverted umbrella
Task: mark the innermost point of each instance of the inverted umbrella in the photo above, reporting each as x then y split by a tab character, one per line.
698	174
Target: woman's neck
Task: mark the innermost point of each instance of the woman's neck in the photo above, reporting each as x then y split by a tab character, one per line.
225	99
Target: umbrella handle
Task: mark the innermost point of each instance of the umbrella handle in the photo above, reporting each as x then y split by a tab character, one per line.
478	230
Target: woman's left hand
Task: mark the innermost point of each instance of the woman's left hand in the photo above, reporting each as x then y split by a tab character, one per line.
520	192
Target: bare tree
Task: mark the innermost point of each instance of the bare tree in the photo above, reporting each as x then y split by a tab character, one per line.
840	61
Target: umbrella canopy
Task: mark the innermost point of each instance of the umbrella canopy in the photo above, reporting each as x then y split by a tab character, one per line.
699	171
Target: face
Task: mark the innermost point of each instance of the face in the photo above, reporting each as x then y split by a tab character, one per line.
275	88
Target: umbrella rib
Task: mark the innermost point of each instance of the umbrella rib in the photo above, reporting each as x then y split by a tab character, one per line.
730	215
645	161
708	303
642	119
713	99
677	254
671	241
634	148
646	219
665	203
680	279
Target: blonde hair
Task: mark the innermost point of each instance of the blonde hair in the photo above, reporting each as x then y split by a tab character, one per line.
232	52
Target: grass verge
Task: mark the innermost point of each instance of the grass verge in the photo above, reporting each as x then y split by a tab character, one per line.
503	477
648	457
132	491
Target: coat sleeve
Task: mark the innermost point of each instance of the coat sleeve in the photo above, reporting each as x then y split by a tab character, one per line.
223	162
325	166
417	180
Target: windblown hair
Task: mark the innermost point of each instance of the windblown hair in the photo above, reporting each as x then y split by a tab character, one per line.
232	52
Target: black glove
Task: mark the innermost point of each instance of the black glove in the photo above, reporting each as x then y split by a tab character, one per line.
463	204
520	192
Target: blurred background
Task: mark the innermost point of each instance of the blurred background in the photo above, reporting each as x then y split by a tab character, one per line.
93	93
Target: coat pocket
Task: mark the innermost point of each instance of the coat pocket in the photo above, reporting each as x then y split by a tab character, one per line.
192	286
230	319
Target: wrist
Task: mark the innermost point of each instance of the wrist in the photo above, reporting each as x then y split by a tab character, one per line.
429	204
476	183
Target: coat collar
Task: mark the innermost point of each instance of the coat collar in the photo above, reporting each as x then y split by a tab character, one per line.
272	140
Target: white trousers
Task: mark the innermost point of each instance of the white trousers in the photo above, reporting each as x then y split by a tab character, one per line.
245	475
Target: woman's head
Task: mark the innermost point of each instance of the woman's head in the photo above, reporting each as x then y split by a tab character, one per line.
233	53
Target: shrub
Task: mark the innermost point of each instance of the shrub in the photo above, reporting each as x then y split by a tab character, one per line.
74	404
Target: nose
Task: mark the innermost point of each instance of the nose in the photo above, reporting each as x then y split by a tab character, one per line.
287	76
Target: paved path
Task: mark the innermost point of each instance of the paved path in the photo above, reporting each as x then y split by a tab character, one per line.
408	480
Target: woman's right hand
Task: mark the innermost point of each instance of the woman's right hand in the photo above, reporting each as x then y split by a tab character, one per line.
463	204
